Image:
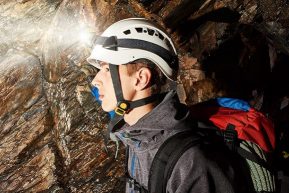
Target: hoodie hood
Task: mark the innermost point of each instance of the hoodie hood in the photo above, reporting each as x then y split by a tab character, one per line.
166	119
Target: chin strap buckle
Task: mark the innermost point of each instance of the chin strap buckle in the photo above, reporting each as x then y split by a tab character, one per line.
122	108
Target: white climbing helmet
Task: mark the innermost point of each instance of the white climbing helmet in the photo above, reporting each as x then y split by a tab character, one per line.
136	38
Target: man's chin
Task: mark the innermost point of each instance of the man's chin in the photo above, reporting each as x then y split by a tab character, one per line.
107	109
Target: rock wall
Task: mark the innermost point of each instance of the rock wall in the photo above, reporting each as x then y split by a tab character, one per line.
52	130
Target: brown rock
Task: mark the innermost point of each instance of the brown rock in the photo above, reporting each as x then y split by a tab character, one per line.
51	127
35	175
188	62
79	121
20	83
26	164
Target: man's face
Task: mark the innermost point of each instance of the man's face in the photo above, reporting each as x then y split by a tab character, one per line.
103	82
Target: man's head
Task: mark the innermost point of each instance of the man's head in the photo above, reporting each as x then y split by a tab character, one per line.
132	55
157	80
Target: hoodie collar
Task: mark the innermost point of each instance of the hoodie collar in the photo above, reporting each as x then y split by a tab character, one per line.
167	117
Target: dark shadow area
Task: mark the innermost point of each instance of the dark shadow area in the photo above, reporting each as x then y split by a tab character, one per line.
241	64
247	66
187	27
182	12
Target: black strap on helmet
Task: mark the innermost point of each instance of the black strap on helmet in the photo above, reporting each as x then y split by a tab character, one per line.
166	55
112	43
123	106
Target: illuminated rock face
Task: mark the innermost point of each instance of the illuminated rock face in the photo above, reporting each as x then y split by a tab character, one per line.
26	158
48	140
51	128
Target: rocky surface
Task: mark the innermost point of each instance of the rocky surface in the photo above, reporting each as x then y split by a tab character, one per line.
52	130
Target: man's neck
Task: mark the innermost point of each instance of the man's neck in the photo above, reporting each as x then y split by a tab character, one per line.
137	113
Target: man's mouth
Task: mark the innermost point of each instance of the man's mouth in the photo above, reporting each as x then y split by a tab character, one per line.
101	97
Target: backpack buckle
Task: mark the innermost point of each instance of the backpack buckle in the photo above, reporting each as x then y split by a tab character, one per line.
231	136
135	185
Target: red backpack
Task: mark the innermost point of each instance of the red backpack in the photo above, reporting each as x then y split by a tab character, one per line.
244	130
250	124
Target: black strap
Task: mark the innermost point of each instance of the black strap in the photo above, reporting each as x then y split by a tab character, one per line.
107	42
112	43
163	162
119	95
167	157
99	40
230	138
144	101
151	47
116	82
254	158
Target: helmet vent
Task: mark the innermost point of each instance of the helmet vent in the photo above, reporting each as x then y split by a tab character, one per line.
151	32
161	36
126	32
138	29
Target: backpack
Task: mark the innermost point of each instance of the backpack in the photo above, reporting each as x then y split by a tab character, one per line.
245	131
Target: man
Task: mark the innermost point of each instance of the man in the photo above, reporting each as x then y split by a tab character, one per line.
134	57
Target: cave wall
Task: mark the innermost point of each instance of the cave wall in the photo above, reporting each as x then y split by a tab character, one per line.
51	127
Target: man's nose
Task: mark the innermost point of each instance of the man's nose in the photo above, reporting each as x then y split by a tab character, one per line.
96	81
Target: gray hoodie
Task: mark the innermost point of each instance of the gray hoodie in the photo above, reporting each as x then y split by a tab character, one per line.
195	172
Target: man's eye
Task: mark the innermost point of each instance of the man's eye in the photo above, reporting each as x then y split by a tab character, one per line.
106	69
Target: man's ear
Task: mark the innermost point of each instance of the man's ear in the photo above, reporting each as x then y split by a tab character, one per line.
143	78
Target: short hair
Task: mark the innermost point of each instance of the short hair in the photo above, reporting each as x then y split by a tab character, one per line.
158	82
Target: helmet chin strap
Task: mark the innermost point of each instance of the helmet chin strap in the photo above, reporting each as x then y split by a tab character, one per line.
124	106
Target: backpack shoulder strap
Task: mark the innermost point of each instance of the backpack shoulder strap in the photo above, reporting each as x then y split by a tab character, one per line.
166	158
